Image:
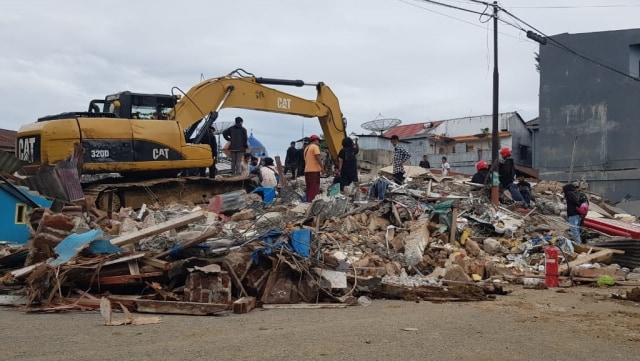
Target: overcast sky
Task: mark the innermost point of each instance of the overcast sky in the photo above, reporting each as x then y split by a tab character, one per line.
410	60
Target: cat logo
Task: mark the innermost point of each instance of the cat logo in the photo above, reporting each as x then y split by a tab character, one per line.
163	152
26	149
284	103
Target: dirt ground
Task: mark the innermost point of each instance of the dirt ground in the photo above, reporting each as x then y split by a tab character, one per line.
579	323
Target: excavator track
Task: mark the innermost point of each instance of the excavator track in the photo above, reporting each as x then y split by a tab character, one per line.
198	190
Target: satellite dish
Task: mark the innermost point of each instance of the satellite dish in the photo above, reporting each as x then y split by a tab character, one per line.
381	124
221	126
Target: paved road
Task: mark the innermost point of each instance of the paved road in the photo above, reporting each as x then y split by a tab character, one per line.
527	325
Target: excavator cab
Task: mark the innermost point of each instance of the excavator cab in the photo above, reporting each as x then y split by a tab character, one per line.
135	105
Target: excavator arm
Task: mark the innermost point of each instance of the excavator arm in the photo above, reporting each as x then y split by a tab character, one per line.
250	92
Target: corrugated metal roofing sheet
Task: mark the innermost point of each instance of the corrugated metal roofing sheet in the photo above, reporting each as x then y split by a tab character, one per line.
67	172
9	163
412	130
59	182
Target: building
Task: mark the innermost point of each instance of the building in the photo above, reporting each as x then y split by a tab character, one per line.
16	203
8	140
589	122
464	141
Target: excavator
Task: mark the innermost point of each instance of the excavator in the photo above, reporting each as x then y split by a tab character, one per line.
151	138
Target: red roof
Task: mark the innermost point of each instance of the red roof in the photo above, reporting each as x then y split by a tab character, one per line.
7	138
412	130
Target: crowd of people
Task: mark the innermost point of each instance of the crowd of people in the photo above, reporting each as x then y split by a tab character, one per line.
307	161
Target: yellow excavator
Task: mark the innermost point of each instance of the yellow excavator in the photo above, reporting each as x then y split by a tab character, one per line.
157	136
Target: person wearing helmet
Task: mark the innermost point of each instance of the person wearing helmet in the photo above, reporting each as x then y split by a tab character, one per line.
482	174
507	174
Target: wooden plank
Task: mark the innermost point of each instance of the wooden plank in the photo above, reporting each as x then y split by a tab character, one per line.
283	178
244	305
595	257
134	269
180	308
128	279
156	263
303	306
11	300
25	270
234	277
586	247
192	242
454	225
120	260
159	228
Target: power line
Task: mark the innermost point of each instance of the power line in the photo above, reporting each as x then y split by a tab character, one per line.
458	19
542	39
573	7
574	52
453	7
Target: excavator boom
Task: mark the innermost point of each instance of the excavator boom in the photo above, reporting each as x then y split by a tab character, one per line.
251	93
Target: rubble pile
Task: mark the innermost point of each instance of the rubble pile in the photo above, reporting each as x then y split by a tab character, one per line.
433	239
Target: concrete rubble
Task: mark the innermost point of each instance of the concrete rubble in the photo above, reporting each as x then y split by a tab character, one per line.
432	239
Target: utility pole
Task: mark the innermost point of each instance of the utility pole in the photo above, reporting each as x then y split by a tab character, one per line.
495	142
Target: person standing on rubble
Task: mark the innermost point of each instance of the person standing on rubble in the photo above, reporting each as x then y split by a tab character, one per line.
291	161
400	156
446	168
239	143
507	174
312	168
573	216
347	163
305	144
213	143
424	163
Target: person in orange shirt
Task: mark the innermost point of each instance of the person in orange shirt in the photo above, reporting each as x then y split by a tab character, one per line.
312	168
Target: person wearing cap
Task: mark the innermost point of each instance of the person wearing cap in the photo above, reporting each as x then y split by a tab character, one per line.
312	168
291	160
400	155
239	143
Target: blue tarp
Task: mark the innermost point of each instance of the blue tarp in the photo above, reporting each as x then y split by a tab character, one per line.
268	194
299	243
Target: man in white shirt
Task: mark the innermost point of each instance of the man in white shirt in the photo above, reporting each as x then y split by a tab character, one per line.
446	168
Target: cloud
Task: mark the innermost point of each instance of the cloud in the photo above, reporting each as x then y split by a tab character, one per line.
396	58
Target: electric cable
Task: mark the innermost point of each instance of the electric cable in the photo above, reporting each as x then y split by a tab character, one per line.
458	19
572	51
